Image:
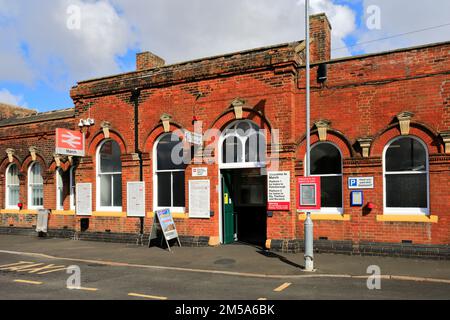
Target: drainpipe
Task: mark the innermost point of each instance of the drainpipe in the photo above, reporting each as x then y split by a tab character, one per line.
135	94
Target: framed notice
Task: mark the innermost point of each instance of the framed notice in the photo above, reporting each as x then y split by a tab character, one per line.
136	199
199	199
308	193
279	190
84	199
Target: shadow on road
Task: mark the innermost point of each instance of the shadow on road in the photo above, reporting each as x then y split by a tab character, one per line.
269	254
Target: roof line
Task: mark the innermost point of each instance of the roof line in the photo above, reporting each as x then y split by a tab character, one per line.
218	56
368	55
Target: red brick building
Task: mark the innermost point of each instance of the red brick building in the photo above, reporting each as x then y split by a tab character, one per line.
383	116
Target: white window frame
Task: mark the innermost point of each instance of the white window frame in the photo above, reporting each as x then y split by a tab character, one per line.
72	188
331	210
99	207
7	187
59	179
243	140
406	211
30	184
155	180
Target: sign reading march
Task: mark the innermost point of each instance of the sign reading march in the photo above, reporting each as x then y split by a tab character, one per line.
163	221
69	143
279	190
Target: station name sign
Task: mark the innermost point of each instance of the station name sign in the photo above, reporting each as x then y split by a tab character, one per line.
70	143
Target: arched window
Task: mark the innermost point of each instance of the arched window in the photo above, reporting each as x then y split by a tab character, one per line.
72	188
59	190
169	175
35	187
109	177
406	176
244	144
12	186
326	162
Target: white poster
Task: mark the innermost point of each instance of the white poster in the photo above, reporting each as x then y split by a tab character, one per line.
279	190
136	199
199	199
84	199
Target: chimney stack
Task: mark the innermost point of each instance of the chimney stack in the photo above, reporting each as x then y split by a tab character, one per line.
148	60
320	37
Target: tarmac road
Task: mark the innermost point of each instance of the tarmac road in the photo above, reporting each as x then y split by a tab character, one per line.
25	277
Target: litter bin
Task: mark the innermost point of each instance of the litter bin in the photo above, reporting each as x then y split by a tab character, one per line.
42	222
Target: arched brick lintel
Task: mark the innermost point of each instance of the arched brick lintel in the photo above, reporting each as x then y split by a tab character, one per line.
333	136
99	138
418	130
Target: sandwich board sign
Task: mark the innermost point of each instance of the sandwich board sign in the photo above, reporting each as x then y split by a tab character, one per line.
163	221
69	143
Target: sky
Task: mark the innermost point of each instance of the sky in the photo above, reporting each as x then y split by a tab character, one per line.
47	46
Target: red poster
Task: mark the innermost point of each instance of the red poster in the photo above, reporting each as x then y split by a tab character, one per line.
308	193
69	143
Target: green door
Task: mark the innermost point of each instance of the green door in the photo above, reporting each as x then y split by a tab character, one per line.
228	209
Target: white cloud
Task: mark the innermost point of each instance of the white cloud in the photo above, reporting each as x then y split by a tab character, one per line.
9	98
404	16
56	54
342	19
36	45
180	30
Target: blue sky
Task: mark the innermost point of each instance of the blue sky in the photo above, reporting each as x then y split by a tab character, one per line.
41	58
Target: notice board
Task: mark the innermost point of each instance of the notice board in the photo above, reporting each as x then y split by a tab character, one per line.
279	190
84	199
136	199
199	199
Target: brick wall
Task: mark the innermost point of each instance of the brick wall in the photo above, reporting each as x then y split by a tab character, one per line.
361	98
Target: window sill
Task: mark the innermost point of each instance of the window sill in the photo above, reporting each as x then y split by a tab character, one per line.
407	218
15	211
63	213
326	217
174	215
105	214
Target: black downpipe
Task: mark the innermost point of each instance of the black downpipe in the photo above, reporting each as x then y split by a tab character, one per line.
135	97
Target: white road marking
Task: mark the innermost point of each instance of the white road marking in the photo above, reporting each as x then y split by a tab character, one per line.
283	287
28	282
147	296
82	289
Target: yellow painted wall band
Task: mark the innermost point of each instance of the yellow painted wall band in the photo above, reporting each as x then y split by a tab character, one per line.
407	218
174	215
326	217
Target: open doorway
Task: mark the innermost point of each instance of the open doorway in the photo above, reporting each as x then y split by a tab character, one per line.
244	206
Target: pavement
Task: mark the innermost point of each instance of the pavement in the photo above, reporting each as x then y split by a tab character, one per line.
38	269
234	259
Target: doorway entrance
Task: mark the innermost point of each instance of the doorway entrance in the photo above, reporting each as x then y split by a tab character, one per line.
244	206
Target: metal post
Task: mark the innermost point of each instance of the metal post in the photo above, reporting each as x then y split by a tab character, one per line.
309	246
